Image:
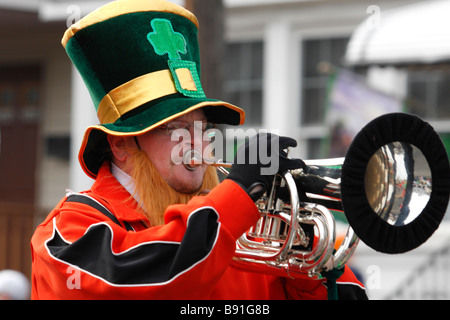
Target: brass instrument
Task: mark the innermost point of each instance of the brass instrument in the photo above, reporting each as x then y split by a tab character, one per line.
389	185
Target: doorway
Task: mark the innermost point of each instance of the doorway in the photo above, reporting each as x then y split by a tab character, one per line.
20	97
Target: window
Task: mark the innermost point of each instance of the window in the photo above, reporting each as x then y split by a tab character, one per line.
244	78
428	94
314	82
314	86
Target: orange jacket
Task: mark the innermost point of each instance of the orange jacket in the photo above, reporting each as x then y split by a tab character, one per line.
80	253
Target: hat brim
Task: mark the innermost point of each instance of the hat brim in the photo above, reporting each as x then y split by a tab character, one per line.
94	149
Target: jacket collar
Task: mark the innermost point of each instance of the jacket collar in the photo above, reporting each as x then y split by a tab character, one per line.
116	197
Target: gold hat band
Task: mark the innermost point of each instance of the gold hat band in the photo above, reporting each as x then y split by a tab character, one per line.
135	93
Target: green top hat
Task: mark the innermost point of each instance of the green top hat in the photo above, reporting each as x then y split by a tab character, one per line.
141	64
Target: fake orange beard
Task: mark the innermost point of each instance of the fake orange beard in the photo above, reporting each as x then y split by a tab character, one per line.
154	194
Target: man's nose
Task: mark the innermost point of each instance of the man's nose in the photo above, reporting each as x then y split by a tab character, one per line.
196	133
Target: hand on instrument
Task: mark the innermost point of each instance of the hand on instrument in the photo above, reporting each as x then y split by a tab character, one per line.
259	159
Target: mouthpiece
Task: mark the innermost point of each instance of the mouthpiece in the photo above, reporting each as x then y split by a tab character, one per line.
192	159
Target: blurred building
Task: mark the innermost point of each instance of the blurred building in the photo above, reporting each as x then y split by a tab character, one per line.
279	58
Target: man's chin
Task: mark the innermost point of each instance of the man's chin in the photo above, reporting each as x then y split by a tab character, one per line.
186	188
188	182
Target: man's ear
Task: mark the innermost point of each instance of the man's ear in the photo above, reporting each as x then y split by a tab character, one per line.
119	147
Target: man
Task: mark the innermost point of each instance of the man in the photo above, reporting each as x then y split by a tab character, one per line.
142	231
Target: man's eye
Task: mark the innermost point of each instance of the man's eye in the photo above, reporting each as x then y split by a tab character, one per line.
208	126
175	126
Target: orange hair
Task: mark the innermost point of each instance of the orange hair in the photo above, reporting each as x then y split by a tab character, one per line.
153	192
